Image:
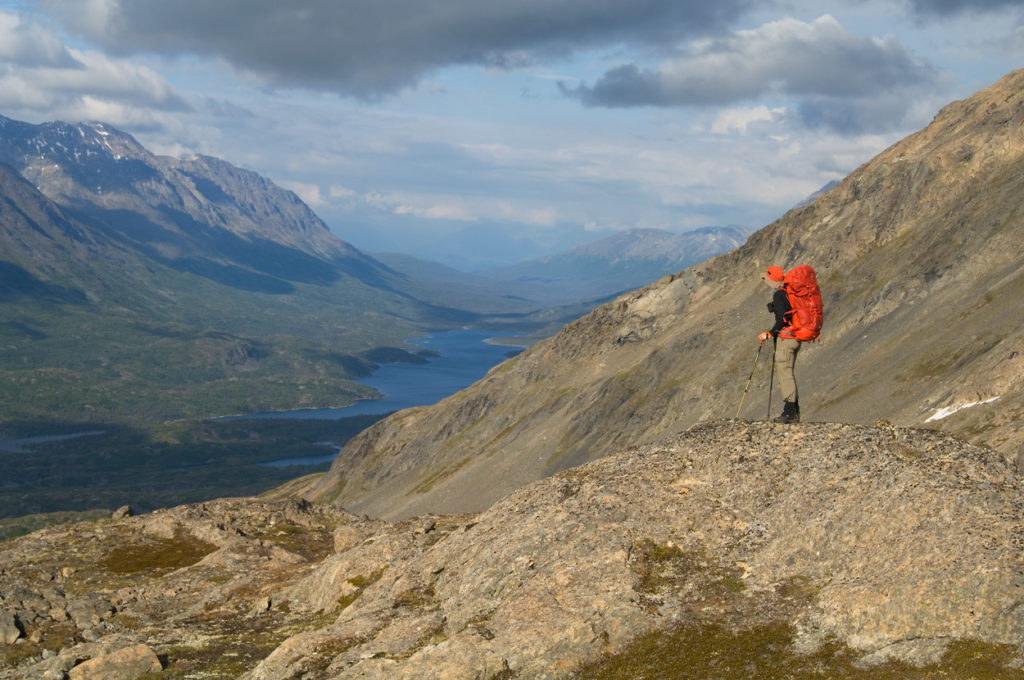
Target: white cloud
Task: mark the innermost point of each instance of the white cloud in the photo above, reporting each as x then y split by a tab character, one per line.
438	211
739	120
452	208
336	191
309	193
27	44
41	77
821	64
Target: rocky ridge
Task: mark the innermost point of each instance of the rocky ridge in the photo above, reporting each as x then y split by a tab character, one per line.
833	546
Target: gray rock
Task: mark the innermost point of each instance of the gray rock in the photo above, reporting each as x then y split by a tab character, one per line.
10	630
125	664
122	512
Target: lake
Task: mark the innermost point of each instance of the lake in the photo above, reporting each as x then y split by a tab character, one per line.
465	358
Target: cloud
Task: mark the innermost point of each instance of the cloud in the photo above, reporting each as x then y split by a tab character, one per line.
455	208
821	63
951	7
787	58
27	44
309	193
742	120
373	47
39	74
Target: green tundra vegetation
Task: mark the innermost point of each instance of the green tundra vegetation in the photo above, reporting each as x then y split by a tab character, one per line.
157	466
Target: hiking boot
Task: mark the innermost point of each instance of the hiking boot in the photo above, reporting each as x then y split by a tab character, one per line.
790	412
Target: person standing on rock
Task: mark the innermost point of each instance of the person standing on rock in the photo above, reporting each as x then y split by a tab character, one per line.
786	348
799	315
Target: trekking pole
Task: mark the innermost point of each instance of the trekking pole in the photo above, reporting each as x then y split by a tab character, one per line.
771	378
749	378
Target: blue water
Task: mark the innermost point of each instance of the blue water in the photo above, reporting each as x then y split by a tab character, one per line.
306	460
465	358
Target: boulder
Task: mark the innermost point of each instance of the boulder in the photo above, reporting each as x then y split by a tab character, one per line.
124	664
10	631
123	511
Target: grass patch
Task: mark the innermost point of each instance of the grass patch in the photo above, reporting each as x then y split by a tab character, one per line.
702	652
657	567
55	638
222	658
414	598
441	474
504	367
157	557
313	543
339	488
361	583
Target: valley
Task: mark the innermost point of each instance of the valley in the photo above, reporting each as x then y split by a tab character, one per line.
142	296
187	461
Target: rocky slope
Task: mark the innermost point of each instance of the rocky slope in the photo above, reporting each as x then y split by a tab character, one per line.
918	254
825	548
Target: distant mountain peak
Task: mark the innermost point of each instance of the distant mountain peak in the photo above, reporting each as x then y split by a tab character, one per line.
657	244
97	168
624	260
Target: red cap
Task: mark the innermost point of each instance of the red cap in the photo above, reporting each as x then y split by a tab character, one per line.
775	273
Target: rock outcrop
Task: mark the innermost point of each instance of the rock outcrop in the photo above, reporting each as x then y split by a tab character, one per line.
827	543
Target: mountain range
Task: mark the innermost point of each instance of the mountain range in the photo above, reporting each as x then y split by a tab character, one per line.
581	277
140	287
918	253
618	263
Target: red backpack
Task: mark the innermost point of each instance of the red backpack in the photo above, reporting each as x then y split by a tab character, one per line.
808	314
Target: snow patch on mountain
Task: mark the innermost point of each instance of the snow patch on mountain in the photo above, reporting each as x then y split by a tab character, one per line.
947	411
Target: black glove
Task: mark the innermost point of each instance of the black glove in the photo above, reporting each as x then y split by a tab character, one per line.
771	307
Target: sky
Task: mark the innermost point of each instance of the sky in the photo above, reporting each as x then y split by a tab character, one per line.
480	132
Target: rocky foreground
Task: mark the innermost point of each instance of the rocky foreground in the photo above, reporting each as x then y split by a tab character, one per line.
736	546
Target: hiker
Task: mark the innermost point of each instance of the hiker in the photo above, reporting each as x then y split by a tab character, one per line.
786	346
